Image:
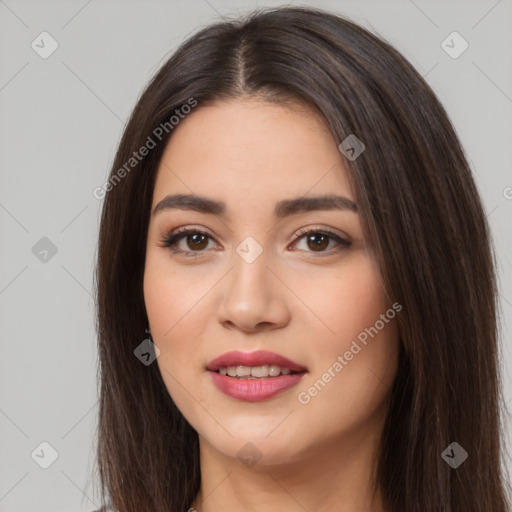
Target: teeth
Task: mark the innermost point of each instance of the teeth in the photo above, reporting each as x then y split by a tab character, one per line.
259	371
256	372
274	370
243	371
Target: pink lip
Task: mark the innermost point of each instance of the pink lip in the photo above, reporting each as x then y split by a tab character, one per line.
256	358
254	390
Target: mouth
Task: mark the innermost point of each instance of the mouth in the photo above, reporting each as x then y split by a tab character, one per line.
257	364
255	372
254	376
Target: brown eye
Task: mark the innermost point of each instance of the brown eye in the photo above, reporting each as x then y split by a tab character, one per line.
318	240
195	241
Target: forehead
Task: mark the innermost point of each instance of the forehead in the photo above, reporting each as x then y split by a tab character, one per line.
251	153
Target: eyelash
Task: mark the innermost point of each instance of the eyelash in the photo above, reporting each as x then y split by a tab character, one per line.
177	235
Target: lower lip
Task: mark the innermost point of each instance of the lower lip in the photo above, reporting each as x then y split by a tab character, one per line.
255	390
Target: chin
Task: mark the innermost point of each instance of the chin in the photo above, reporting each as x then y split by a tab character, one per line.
256	448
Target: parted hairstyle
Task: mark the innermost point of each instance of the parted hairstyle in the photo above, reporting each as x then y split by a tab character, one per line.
423	220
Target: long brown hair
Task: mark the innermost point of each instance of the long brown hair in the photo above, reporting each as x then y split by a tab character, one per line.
422	217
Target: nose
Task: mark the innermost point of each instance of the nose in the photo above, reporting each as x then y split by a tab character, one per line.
254	297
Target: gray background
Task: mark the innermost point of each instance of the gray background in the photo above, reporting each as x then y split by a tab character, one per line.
61	120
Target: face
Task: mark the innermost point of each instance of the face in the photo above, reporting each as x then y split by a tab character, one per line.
298	282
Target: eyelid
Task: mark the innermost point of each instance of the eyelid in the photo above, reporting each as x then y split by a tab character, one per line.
319	229
176	235
342	241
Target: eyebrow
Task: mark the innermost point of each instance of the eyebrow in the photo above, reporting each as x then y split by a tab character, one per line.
283	208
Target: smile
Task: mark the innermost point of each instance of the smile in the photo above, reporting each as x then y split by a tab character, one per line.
254	376
254	372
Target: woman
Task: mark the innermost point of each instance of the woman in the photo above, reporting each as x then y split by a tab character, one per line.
292	224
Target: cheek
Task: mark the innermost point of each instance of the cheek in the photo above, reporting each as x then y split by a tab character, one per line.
365	326
176	307
356	361
345	300
173	297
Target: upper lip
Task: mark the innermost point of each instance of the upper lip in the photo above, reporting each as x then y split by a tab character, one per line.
256	358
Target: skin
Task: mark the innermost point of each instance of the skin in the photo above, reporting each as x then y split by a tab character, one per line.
304	304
